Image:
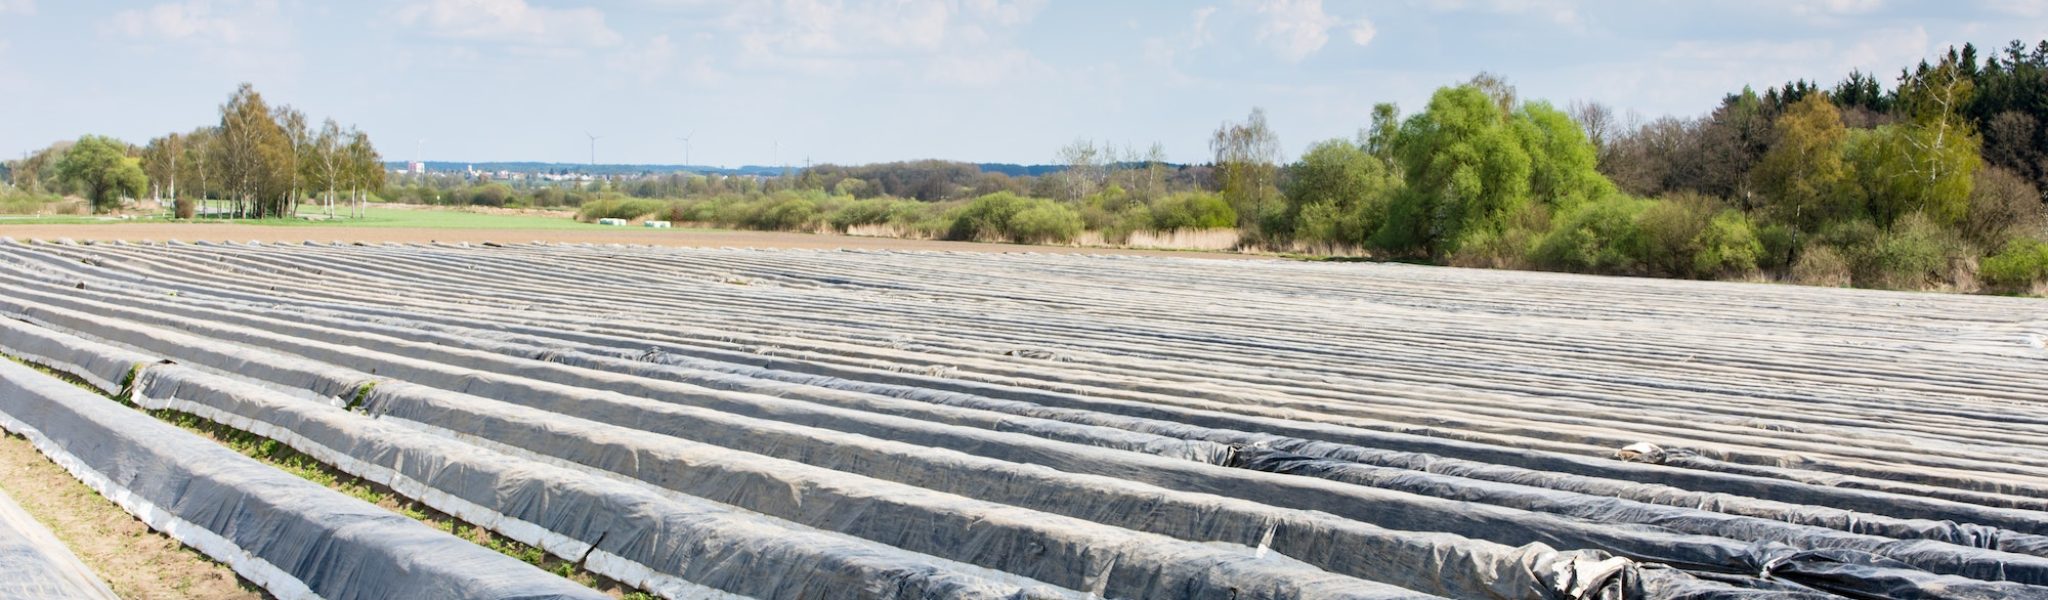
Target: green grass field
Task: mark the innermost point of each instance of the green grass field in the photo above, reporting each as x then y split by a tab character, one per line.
378	217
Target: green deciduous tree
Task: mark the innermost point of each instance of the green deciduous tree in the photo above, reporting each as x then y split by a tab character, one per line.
1466	172
253	154
329	163
1378	139
102	169
1728	246
1564	170
1803	178
1902	169
297	155
1346	187
365	171
1596	236
1937	152
160	164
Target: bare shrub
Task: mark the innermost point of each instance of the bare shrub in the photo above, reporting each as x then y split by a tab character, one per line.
1822	266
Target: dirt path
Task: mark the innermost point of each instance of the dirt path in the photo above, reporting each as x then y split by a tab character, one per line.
138	563
654	237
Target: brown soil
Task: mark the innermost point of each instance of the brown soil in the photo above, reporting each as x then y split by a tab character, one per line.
137	563
654	237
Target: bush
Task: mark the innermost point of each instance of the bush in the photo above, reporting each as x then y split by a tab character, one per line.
1406	227
1850	237
1727	247
1324	223
1117	224
686	211
1598	237
495	195
2002	205
1511	248
618	208
782	214
995	217
874	211
1821	265
987	217
2021	264
555	196
1669	232
22	203
1044	223
1333	226
1912	255
1781	244
1198	210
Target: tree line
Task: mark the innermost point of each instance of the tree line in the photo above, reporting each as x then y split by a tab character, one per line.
1930	181
259	161
1934	182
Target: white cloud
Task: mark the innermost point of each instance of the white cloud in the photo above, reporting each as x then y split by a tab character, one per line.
1294	29
822	28
1835	7
203	22
1297	29
509	21
18	7
1005	14
1363	31
250	40
963	42
1561	12
1885	51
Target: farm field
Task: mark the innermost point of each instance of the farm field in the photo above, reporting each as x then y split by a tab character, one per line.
904	422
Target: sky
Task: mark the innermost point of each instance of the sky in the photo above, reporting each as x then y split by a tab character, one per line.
854	81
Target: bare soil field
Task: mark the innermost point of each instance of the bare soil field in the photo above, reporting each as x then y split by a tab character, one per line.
136	232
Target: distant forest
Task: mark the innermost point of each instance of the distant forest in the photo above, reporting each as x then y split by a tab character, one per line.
645	170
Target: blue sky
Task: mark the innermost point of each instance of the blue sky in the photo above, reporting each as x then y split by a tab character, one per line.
854	81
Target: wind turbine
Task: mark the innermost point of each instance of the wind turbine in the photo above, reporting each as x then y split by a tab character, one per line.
593	151
686	147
